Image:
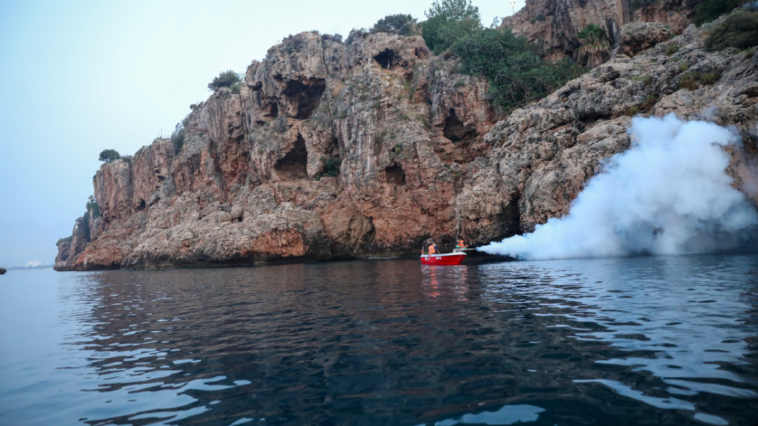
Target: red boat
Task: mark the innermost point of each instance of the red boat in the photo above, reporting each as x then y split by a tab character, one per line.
443	258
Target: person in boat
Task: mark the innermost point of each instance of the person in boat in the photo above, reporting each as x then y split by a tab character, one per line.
461	245
433	248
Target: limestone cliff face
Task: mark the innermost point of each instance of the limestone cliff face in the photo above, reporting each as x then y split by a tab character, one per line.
421	153
555	24
255	178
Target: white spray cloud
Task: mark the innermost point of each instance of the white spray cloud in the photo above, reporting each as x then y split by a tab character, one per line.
668	194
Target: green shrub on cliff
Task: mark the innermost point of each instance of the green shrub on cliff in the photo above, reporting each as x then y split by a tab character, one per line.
404	25
739	29
593	35
709	10
225	79
92	208
331	166
64	240
449	21
177	138
108	155
516	72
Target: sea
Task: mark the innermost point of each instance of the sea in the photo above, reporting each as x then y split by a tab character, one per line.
620	341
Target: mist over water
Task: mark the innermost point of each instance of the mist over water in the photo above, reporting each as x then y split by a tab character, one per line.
668	194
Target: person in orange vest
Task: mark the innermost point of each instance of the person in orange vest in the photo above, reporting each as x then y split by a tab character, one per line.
433	248
461	244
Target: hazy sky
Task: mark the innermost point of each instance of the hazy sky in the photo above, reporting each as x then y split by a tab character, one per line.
77	77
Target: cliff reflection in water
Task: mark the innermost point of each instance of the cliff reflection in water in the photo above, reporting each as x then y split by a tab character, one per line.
662	340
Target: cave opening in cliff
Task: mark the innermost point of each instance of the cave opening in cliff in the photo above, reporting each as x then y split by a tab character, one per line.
395	175
461	136
456	131
293	166
385	58
272	111
304	97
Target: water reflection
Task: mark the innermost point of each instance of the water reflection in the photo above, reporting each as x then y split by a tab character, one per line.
452	279
684	320
392	342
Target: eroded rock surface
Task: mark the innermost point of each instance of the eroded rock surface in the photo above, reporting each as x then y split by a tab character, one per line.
367	148
555	24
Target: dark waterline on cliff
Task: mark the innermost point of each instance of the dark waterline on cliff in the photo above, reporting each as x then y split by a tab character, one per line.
649	340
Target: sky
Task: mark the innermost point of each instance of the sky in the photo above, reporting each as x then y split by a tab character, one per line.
77	77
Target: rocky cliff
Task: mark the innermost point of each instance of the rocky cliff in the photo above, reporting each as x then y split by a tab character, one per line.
329	150
555	24
366	148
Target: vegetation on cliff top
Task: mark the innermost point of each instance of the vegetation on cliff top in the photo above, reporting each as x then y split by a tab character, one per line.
516	72
514	68
449	21
225	79
739	29
709	10
404	25
109	155
64	240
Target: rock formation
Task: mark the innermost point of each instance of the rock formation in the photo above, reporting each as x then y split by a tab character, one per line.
329	150
366	148
2	271
555	24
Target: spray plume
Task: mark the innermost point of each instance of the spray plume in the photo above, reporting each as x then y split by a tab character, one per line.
668	194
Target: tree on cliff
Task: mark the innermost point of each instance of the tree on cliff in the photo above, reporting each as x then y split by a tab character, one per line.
396	24
448	22
225	79
516	72
594	35
108	155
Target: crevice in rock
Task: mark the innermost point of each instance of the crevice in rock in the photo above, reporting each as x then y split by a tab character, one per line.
334	148
395	175
305	96
293	166
385	59
141	206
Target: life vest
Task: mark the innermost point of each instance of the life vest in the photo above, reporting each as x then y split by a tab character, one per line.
432	249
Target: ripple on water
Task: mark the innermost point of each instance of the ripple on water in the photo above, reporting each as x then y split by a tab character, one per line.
610	341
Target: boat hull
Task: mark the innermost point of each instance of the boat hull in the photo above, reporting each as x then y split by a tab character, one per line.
443	259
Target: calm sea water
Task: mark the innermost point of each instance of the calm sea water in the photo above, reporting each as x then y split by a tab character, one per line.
664	340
